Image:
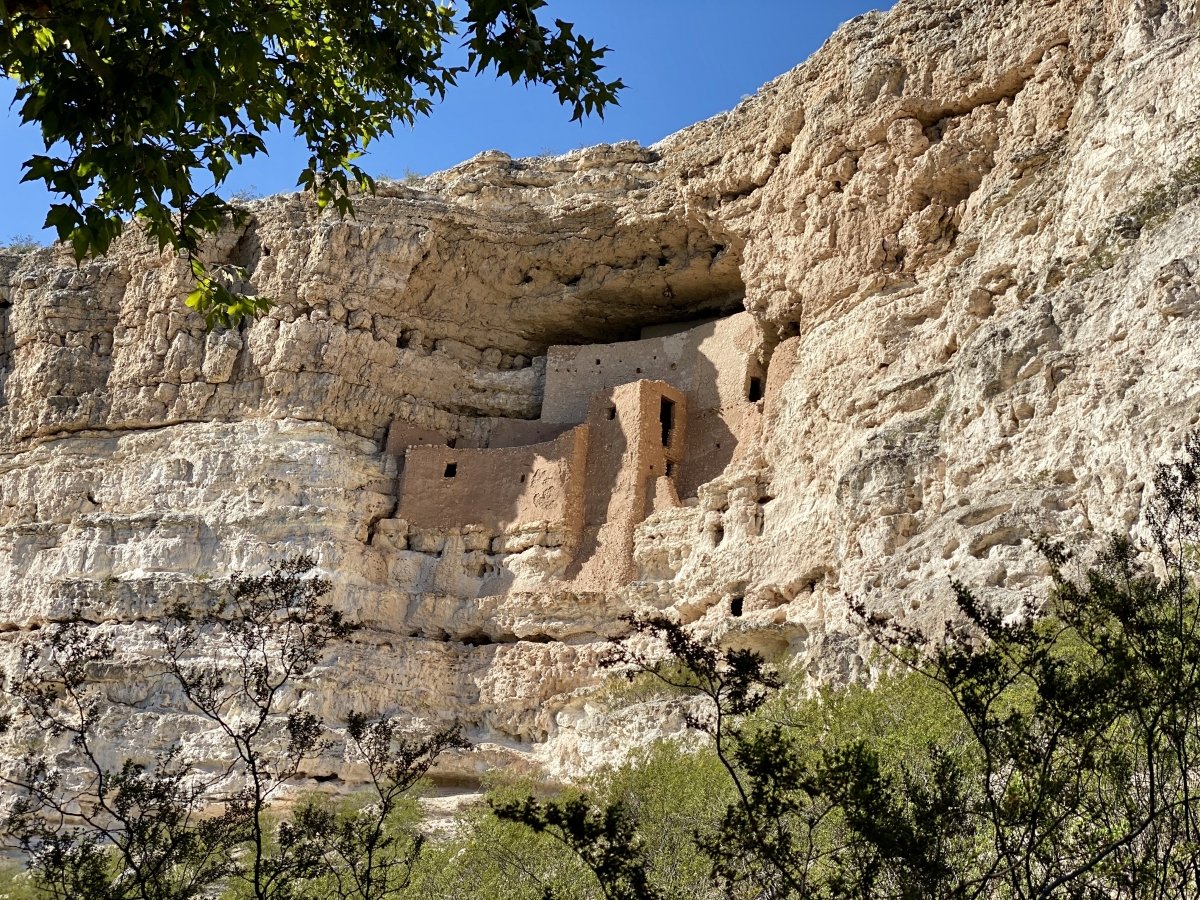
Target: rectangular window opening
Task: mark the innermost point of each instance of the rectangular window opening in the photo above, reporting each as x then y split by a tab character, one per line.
754	392
670	469
666	417
451	470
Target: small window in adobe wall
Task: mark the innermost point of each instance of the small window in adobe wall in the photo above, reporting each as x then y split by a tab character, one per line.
451	470
666	417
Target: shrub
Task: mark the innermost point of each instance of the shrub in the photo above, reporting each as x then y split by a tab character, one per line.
167	829
1048	752
21	243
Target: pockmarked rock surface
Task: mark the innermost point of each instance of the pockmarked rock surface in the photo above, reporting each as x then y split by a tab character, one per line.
932	291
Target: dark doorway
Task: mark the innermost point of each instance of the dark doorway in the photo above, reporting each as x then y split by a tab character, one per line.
451	470
666	417
754	392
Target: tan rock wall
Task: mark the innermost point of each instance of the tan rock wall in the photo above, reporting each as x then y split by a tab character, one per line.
923	221
630	451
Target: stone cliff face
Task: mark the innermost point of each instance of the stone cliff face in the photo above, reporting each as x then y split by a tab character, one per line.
968	238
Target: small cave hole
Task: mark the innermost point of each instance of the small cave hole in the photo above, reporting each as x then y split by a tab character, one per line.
571	282
451	470
522	479
638	371
735	607
597	362
718	535
266	251
662	261
526	278
760	519
325	779
612	412
452	442
666	417
754	391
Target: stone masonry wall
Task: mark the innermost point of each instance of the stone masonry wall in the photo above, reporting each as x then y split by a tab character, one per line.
444	487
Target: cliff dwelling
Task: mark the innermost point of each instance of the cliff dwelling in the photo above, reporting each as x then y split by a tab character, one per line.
479	407
625	429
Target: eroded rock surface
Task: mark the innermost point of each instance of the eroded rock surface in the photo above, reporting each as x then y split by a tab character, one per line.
969	238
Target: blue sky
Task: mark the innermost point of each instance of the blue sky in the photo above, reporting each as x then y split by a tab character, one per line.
683	60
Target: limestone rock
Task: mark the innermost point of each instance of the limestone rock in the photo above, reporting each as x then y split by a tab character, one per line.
964	327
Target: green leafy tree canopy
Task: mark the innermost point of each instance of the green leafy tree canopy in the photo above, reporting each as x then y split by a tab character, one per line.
145	106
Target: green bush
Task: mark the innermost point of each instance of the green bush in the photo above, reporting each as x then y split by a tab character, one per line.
21	243
490	858
16	884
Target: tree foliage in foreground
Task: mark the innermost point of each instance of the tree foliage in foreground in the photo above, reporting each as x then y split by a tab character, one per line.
1063	764
167	828
145	107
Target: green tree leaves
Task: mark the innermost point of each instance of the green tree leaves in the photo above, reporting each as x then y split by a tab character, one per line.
145	107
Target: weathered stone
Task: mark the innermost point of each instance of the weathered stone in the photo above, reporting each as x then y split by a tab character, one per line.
963	334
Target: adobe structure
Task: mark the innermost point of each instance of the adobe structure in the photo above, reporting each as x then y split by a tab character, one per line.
625	429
